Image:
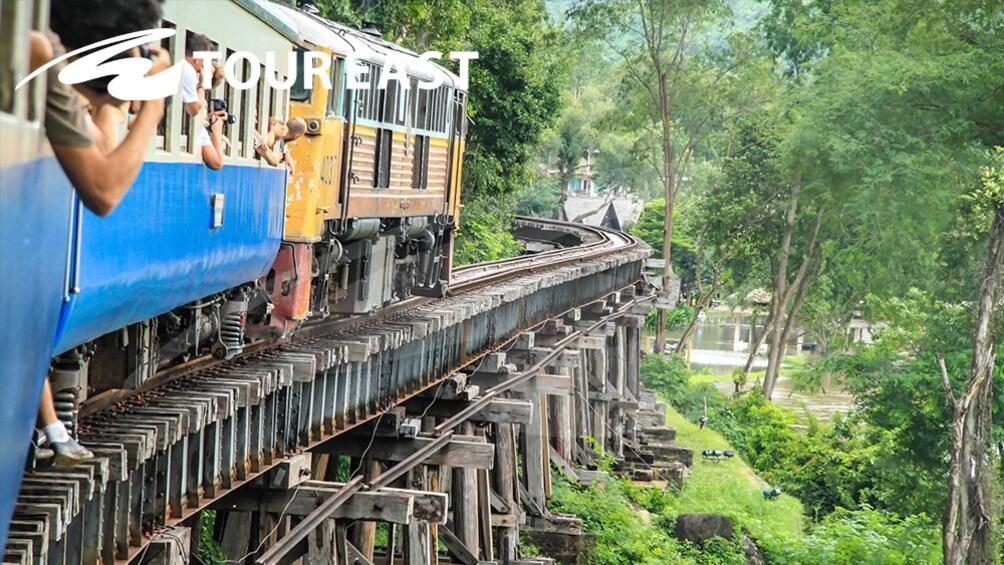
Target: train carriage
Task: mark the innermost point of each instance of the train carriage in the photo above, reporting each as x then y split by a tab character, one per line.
92	290
36	200
371	208
197	261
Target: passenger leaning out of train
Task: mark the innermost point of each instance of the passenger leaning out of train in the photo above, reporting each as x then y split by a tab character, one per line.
272	146
101	170
209	136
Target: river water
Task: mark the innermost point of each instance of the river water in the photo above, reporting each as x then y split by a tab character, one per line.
721	345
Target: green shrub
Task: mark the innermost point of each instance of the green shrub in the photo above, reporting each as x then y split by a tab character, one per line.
622	537
861	536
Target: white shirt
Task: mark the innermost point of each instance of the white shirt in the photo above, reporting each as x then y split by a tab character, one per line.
189	83
190	93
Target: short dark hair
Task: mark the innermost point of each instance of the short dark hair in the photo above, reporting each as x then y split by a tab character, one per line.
197	42
79	24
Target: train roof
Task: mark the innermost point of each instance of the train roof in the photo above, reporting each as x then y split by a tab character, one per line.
260	9
345	40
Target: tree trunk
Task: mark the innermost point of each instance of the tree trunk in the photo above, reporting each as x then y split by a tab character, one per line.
966	527
755	346
668	182
702	304
779	300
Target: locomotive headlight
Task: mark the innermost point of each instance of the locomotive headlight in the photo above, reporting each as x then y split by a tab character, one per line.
313	126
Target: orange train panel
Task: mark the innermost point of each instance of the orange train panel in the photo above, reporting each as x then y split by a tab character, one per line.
312	191
288	285
458	175
363	158
438	162
402	161
400	199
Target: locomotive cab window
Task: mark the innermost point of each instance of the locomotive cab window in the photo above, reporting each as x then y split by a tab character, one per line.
420	163
300	90
337	93
384	153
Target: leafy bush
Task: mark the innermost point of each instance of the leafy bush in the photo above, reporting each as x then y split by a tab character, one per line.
849	464
666	374
484	232
622	537
862	536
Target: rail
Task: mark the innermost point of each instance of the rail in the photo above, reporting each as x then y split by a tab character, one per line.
604	241
196	432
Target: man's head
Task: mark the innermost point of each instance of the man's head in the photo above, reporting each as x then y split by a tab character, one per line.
193	43
295	128
79	24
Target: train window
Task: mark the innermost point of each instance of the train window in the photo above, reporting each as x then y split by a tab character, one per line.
390	101
459	114
10	41
447	110
335	95
420	163
430	118
163	140
36	88
243	118
300	89
422	110
186	120
230	96
259	109
361	97
375	94
403	97
271	103
440	109
384	152
437	103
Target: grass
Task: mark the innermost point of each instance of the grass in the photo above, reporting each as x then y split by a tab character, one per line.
730	487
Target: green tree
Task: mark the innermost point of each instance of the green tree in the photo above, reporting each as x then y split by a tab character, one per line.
898	116
655	40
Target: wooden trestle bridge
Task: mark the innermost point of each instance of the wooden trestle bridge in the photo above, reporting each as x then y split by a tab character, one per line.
442	418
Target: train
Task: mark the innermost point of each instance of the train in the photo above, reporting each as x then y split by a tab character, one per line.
197	262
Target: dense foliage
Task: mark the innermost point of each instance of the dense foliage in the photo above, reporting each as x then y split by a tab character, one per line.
843	155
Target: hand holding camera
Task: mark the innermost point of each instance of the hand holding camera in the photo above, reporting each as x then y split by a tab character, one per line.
219	109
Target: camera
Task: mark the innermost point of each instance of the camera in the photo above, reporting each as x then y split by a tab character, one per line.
219	105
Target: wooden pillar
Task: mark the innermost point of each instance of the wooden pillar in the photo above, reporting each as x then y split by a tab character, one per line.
598	383
580	401
418	543
561	421
433	484
485	516
617	364
236	531
465	501
364	533
504	483
535	453
321	545
632	346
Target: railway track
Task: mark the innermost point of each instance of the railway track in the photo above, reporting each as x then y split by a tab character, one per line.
196	433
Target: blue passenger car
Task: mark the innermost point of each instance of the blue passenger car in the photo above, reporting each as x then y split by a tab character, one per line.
182	234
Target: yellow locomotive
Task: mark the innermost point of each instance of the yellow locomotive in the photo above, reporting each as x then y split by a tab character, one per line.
372	206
